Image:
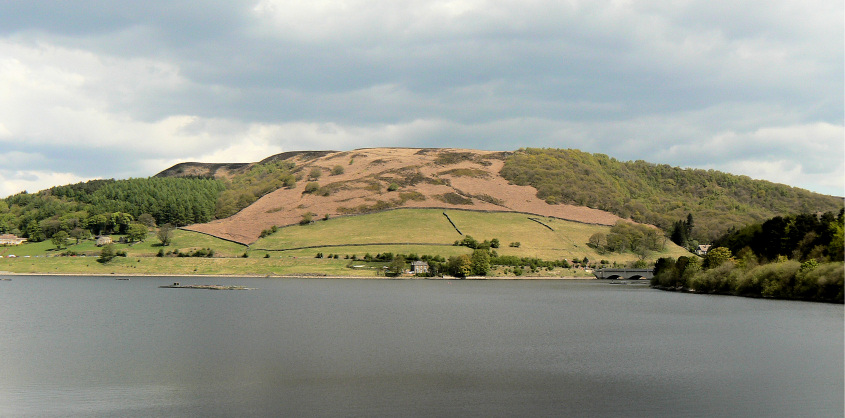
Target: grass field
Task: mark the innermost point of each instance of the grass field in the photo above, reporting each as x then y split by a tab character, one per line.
184	241
431	233
168	266
405	231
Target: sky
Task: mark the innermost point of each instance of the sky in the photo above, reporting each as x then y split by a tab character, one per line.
118	89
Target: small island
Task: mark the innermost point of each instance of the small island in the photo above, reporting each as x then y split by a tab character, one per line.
177	285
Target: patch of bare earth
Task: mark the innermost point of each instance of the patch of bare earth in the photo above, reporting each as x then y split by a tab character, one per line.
426	178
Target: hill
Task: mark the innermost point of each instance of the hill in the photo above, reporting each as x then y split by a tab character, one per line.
564	184
230	170
373	180
658	194
238	202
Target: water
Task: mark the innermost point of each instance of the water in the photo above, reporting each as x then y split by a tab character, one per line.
96	346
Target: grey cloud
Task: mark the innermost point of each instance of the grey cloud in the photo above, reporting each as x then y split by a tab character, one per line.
633	80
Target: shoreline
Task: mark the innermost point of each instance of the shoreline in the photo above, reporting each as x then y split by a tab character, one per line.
298	276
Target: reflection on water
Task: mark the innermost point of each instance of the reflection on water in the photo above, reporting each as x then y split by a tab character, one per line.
99	346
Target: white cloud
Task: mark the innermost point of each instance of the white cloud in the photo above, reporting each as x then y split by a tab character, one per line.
12	182
789	172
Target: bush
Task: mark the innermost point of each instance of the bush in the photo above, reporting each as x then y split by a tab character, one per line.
315	173
453	198
337	170
312	187
268	232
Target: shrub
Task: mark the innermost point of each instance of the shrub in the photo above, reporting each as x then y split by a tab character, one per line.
307	217
337	170
312	187
315	173
453	198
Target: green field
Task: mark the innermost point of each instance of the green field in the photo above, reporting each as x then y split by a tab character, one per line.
168	266
182	240
292	250
431	233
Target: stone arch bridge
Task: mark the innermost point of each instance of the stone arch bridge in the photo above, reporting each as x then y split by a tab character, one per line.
623	273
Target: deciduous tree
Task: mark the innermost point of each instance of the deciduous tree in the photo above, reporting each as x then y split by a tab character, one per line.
59	239
136	232
165	234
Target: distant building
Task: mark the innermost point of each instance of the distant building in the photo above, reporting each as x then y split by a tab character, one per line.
10	239
419	267
103	240
702	250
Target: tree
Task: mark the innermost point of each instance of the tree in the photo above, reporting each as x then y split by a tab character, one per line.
97	223
60	239
460	266
79	234
716	257
480	262
147	220
690	224
107	254
121	221
136	232
33	231
165	234
397	266
598	241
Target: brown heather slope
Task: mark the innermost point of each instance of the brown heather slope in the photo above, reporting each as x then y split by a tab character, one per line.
426	178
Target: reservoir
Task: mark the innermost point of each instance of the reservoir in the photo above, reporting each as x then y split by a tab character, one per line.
97	346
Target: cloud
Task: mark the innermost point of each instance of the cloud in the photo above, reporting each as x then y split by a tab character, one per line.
13	182
124	89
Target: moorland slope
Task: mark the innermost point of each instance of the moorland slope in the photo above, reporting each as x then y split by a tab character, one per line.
372	180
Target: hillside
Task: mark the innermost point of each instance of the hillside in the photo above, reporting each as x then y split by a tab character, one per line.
230	170
658	194
237	202
566	184
371	180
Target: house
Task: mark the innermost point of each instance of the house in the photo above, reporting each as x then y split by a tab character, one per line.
103	240
702	250
419	267
10	239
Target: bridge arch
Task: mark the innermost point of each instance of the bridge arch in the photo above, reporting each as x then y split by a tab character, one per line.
626	274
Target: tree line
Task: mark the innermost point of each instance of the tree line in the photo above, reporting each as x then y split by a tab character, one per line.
109	206
789	257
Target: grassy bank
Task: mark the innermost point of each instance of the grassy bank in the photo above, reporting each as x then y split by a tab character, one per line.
166	266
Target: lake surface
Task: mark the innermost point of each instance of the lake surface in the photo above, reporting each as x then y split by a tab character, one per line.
96	346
